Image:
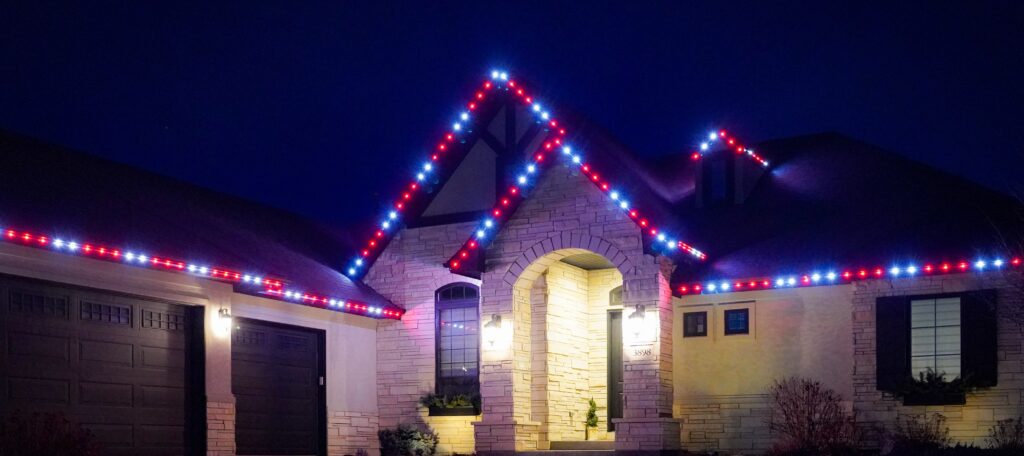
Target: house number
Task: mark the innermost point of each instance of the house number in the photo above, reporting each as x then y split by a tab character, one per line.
643	352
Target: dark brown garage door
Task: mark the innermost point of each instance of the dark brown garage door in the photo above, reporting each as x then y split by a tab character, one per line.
277	377
120	366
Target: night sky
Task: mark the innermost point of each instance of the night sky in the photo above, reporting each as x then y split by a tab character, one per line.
325	109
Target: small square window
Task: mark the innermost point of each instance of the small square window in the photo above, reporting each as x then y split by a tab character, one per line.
695	324
737	321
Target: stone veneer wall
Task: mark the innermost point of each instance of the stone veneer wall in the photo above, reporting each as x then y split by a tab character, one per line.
967	423
538	359
569	354
563	206
348	432
734	424
600	284
568	376
220	429
408	272
565	211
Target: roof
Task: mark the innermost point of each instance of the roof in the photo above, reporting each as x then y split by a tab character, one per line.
829	200
48	188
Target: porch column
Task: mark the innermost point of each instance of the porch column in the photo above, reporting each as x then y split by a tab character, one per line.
505	372
647	425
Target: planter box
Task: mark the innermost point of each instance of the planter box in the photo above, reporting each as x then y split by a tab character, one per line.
935	399
456	411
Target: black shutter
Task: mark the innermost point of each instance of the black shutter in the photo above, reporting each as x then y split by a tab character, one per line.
979	359
892	342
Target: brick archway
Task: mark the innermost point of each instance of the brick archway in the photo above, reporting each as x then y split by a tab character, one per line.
507	423
541	254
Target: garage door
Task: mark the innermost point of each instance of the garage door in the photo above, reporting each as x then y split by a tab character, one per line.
277	377
118	365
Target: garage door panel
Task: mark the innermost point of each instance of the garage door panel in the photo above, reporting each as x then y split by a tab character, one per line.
37	303
156	436
105	394
106	353
116	317
38	347
151	396
94	358
283	442
162	358
27	391
112	436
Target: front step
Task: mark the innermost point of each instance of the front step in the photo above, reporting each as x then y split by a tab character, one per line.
566	453
584	445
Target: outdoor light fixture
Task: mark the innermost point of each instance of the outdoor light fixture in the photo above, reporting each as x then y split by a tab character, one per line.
492	330
636	320
223	325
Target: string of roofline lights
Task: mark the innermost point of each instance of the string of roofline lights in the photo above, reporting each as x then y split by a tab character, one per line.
509	200
730	143
839	276
250	283
391	220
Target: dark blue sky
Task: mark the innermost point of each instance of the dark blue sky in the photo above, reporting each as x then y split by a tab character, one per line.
324	109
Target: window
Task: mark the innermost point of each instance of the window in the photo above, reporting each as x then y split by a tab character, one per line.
695	324
737	321
458	339
615	297
952	333
935	336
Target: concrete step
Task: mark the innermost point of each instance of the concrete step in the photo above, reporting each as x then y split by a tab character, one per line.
566	453
586	445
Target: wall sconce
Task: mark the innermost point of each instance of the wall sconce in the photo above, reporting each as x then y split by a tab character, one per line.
223	325
492	330
641	328
636	320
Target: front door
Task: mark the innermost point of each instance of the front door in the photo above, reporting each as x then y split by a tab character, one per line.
614	367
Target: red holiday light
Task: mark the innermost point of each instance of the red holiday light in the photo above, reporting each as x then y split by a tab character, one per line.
555	141
831	277
248	283
731	143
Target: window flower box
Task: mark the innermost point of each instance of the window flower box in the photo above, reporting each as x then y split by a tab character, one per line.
935	398
452	411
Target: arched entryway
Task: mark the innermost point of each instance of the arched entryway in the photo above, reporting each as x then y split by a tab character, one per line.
568	296
545	346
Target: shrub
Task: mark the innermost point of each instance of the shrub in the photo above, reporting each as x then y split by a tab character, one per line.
406	440
1007	435
811	419
45	433
591	413
920	435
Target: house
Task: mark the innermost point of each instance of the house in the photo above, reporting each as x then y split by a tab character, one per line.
531	260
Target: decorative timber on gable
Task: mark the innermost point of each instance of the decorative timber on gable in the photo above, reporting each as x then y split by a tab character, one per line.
493	119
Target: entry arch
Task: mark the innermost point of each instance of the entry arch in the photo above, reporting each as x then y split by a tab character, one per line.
534	260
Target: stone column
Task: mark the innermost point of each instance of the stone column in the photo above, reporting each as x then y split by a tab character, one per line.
505	373
647	425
